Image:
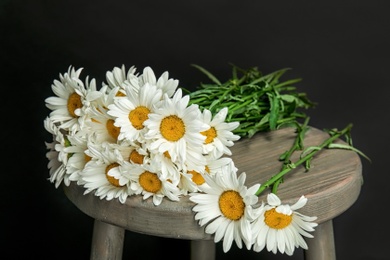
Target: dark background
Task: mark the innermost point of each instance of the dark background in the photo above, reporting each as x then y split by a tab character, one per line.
338	48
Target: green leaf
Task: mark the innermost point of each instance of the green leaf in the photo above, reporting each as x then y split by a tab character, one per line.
274	113
348	147
309	150
208	74
288	98
264	101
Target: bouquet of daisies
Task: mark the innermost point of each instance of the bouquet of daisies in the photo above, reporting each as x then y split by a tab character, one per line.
141	135
135	135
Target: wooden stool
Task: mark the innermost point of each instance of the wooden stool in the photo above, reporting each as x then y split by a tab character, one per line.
332	185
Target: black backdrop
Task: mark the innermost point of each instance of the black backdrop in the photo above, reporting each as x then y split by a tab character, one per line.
339	48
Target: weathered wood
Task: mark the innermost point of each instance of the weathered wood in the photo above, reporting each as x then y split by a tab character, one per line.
169	219
107	241
322	246
202	250
332	185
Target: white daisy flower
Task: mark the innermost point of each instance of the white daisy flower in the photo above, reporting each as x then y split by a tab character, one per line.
227	208
215	164
77	159
164	83
121	174
174	126
150	183
195	160
65	103
119	78
101	123
72	98
219	135
132	110
133	152
96	175
192	179
281	227
189	182
57	170
56	166
168	168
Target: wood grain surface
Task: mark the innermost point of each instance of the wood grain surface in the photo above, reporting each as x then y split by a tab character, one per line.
331	185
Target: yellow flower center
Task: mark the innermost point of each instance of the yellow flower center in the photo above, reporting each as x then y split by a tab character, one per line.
120	94
167	155
138	115
74	102
276	220
112	130
111	179
207	169
197	177
172	128
137	158
231	205
150	182
87	158
210	134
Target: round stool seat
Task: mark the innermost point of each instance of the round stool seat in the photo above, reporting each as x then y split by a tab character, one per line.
332	185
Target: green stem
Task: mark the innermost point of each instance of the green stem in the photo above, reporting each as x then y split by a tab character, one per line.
237	106
303	159
298	145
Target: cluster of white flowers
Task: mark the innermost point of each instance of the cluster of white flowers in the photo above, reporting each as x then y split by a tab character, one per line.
135	135
227	208
138	135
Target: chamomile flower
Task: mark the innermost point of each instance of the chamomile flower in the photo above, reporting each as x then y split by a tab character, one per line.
77	159
57	169
280	227
195	160
71	100
215	164
132	110
164	83
101	123
56	166
132	152
227	208
120	78
168	168
187	182
191	176
174	126
150	183
219	135
96	175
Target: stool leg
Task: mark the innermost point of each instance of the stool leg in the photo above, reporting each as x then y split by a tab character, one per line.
202	250
107	241
322	246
